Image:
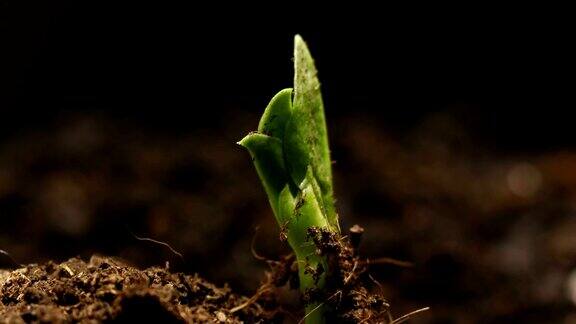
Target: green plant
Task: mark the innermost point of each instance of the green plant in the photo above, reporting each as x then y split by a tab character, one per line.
291	155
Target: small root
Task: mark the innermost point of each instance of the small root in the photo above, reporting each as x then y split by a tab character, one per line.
366	319
253	299
384	260
406	317
253	243
312	311
319	305
390	317
159	242
351	273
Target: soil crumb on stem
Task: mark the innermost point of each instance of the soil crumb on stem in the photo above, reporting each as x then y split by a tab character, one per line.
347	294
107	290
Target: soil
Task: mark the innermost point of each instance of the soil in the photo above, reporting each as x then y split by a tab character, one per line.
345	291
488	230
107	290
346	296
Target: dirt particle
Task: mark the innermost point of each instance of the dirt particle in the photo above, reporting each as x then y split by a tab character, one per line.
65	295
104	289
356	232
221	317
33	295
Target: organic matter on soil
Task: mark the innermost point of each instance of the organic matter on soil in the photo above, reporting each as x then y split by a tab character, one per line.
107	290
345	296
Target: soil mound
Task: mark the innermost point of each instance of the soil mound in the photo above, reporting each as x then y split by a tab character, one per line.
107	290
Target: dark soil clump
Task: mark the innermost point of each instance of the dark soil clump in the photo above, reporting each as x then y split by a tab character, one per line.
106	290
346	295
346	292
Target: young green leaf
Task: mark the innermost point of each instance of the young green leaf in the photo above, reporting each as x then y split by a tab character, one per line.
306	139
277	114
266	152
291	155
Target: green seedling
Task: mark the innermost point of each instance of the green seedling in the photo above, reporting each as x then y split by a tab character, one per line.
292	158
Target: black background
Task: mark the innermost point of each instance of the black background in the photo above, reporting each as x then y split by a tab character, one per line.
175	66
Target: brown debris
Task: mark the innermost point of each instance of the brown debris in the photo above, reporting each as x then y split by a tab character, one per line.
104	289
356	232
346	295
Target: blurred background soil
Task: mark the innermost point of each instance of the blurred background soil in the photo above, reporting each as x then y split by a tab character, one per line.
453	145
491	235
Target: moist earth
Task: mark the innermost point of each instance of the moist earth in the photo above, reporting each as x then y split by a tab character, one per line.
107	290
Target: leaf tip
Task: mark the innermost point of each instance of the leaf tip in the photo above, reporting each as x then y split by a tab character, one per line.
298	41
244	142
300	47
